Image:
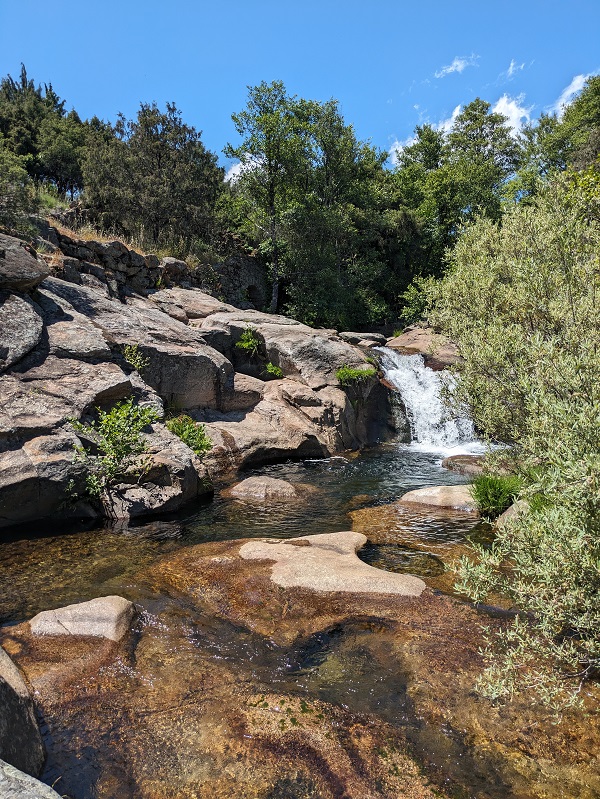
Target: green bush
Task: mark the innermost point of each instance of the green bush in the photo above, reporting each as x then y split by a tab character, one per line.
249	342
349	376
276	371
191	433
134	357
522	301
118	447
493	493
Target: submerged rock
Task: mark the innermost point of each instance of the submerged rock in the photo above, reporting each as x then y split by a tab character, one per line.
20	739
106	617
470	465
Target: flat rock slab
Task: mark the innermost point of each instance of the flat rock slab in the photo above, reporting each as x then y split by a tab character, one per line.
14	784
328	562
106	617
265	489
454	497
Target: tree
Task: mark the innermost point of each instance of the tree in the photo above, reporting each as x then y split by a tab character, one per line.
17	196
152	179
522	300
271	153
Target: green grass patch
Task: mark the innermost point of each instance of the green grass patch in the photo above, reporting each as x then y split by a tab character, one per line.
493	494
191	433
349	376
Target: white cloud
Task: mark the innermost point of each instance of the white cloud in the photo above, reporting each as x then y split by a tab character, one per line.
446	124
238	169
397	148
569	93
458	65
513	108
513	68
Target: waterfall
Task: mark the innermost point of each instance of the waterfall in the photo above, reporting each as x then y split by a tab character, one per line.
432	428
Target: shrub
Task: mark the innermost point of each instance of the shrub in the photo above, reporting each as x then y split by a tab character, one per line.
119	444
276	371
134	357
249	342
522	301
191	433
493	493
349	376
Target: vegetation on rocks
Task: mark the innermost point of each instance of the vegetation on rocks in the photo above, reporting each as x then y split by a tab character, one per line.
249	342
116	449
348	375
191	433
493	494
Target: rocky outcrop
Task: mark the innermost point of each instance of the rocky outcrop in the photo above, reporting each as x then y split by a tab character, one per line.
97	331
14	784
20	270
438	352
20	739
106	617
328	562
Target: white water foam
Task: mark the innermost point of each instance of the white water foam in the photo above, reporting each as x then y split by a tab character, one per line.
432	428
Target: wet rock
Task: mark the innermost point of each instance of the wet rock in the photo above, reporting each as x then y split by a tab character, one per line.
20	270
106	617
14	784
21	328
438	352
20	739
265	489
328	562
453	497
470	465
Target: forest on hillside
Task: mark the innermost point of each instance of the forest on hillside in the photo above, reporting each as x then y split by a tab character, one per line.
348	242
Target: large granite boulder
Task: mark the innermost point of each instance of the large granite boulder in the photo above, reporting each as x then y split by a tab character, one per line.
20	739
14	784
20	270
21	327
105	617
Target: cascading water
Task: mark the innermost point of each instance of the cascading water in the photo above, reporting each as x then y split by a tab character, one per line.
431	426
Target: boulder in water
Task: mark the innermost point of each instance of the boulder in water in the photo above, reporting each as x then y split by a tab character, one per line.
453	497
14	784
470	465
20	739
266	489
105	617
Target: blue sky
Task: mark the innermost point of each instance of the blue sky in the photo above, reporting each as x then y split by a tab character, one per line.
392	65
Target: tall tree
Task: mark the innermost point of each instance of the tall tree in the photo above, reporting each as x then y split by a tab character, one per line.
153	179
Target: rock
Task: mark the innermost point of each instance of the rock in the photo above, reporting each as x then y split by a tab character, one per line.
70	333
247	392
265	489
512	513
470	465
14	784
20	270
328	562
20	739
194	304
104	617
438	352
21	328
357	338
454	497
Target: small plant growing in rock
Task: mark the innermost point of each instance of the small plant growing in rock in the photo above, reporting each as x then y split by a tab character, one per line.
117	449
133	356
349	376
191	433
493	493
276	371
249	342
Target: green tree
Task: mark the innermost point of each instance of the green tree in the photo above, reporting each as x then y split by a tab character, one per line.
271	155
522	300
17	195
153	179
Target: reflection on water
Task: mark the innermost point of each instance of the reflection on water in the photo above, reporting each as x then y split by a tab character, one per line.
41	570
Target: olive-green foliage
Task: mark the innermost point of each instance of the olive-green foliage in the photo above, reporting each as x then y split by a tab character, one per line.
133	356
249	342
493	494
416	300
349	376
191	433
274	370
117	448
17	196
523	303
